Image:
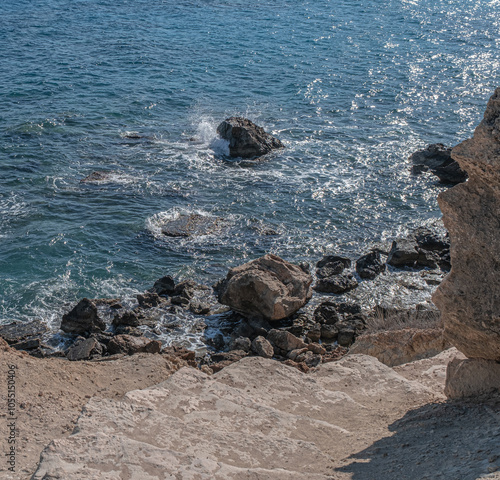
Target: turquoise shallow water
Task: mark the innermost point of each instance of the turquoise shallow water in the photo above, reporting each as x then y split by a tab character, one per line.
351	88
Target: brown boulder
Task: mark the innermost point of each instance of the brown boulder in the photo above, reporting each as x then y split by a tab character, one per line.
469	297
268	287
129	344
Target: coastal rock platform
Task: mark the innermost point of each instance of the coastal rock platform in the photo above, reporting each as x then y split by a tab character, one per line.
259	419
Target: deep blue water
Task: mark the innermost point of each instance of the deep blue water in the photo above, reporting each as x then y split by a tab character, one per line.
351	87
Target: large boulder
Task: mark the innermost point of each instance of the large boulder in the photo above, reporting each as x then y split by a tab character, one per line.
192	225
469	297
438	159
247	140
83	319
269	288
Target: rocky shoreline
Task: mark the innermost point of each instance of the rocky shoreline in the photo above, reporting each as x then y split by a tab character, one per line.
263	309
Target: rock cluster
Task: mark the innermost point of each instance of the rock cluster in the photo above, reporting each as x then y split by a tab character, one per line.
247	140
438	159
469	298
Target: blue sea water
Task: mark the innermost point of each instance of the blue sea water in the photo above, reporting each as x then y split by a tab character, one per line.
351	88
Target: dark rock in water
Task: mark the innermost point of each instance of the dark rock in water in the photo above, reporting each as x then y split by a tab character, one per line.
429	240
346	337
334	260
129	344
342	283
241	343
127	330
133	136
370	265
329	332
164	286
314	333
326	314
84	349
187	288
150	300
180	300
133	319
284	341
247	140
17	332
29	344
405	252
96	177
199	308
437	158
192	225
83	319
216	342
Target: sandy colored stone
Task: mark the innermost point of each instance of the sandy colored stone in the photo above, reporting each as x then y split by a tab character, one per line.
396	347
469	297
268	287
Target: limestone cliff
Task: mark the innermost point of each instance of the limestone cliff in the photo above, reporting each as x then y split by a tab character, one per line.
469	298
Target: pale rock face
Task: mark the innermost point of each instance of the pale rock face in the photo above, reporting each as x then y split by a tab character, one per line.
268	287
469	298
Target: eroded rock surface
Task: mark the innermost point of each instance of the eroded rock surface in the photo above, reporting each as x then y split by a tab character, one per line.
268	287
469	298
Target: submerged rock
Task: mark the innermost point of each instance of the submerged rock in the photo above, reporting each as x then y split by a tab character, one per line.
269	288
438	159
83	319
338	284
469	297
247	140
192	225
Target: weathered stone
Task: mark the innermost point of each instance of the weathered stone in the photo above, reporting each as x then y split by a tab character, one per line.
268	287
199	308
314	332
469	297
370	265
247	140
130	318
16	332
192	225
329	332
345	337
231	356
438	159
472	378
129	344
397	347
262	347
84	349
180	300
150	300
326	313
338	284
332	265
83	319
293	354
309	358
284	340
316	348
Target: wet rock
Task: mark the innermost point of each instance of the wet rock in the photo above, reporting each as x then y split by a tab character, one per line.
326	313
84	349
82	319
129	345
164	286
262	347
130	318
332	265
345	337
192	225
405	252
247	140
128	330
16	332
469	297
370	265
187	289
338	284
432	241
199	308
268	288
329	332
29	344
438	159
314	333
150	300
284	341
180	300
216	342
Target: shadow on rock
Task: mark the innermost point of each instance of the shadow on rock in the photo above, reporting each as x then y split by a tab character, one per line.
438	441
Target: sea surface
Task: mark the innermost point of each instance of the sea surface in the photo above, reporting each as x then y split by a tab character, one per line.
352	88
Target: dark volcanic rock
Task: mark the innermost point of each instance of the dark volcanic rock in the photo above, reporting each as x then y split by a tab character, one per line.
17	332
334	260
337	284
133	319
429	240
164	286
192	225
405	252
247	140
370	265
326	314
83	319
150	300
437	158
